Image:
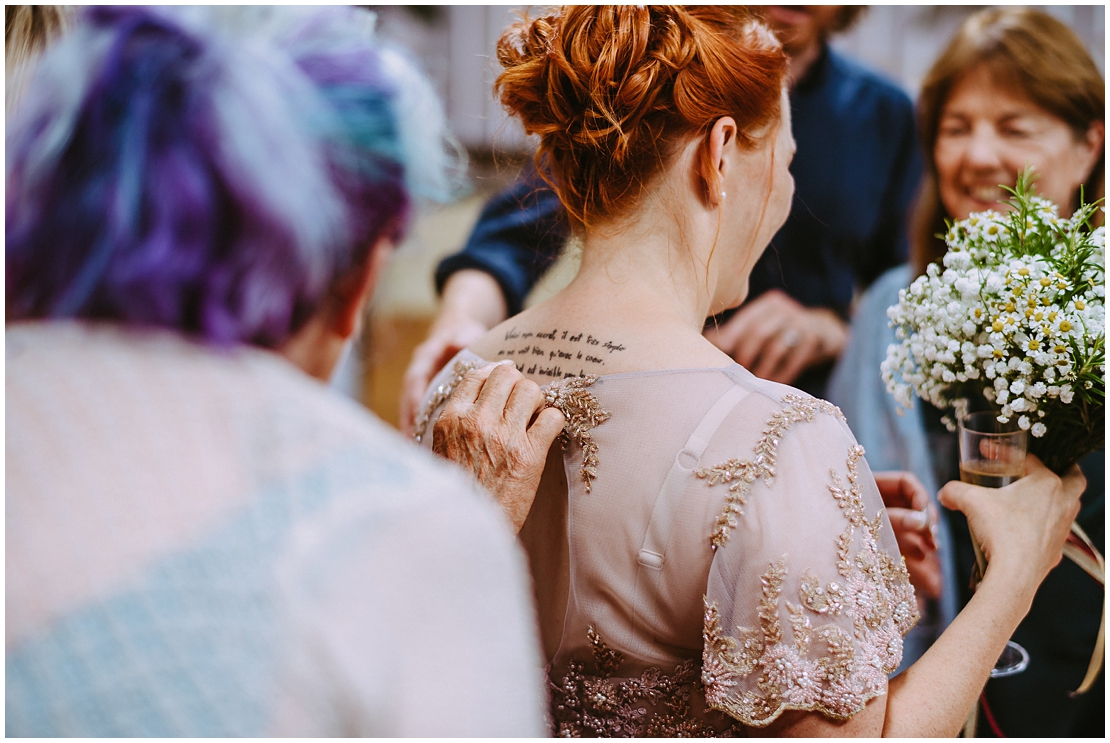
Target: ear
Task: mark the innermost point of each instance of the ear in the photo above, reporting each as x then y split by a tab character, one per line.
353	293
1091	147
719	157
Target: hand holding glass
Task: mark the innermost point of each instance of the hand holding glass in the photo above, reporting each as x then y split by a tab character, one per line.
992	455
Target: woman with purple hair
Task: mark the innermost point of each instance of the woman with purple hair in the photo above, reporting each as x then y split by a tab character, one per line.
201	539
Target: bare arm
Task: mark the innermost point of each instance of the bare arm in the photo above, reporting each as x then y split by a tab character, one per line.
474	295
1022	529
933	696
472	303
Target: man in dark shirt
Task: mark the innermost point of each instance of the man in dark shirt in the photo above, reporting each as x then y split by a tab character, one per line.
855	172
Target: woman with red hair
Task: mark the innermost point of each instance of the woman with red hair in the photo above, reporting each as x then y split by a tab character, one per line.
709	551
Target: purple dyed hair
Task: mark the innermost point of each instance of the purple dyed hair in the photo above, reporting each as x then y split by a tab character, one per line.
165	172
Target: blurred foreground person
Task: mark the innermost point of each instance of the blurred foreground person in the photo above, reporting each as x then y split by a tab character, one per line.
1015	88
201	539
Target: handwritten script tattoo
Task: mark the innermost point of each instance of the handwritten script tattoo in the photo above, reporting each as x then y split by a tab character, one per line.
556	353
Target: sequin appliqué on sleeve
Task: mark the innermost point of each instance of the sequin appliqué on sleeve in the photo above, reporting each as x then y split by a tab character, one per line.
743	472
814	665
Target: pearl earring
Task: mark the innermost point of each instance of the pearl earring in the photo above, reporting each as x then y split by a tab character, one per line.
723	195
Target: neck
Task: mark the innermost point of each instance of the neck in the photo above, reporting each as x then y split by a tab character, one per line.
653	261
638	302
315	349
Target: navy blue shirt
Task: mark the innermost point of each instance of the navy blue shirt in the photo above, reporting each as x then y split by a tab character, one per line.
519	234
856	171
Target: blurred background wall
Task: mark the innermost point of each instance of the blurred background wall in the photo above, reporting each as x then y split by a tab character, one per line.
456	46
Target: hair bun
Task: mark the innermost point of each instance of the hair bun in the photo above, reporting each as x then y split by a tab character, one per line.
590	76
608	89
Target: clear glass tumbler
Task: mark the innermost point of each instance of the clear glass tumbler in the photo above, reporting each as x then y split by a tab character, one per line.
992	453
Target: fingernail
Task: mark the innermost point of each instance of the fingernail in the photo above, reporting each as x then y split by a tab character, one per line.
918	520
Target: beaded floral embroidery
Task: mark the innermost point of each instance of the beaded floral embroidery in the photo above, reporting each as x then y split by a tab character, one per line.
651	705
743	472
441	394
795	672
583	413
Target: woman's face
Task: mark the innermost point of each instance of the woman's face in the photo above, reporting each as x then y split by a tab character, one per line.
988	134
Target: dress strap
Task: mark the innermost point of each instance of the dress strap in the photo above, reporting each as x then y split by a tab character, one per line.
670	494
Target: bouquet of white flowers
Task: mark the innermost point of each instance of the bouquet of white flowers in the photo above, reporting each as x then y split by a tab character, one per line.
1015	318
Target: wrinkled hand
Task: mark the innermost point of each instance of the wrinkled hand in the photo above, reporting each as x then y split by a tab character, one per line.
777	338
914	519
495	426
449	336
1021	527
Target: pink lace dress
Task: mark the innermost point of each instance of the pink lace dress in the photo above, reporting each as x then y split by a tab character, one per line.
708	549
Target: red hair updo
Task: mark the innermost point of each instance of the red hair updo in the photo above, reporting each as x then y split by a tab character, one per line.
613	90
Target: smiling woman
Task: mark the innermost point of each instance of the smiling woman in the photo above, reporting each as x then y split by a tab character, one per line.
988	133
1014	88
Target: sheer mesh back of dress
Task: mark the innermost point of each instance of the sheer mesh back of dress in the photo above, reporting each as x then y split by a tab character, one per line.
730	523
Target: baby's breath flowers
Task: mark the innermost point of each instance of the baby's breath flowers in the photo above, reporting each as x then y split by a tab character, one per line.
1016	317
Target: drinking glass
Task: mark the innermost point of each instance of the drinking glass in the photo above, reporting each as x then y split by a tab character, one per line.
992	455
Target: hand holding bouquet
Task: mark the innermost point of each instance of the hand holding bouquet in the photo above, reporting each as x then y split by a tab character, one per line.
1016	318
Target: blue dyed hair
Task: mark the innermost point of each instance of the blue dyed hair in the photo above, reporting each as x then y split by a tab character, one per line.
212	170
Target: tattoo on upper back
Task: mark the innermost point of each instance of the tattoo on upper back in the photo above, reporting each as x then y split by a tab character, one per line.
555	353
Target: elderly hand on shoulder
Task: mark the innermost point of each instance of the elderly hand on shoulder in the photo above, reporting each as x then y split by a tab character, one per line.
495	425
